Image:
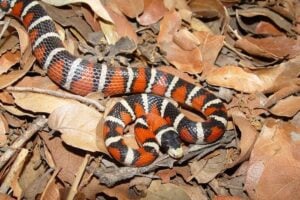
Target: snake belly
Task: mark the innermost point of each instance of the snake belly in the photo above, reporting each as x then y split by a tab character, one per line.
82	77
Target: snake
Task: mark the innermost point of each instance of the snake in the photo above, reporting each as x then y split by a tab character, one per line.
158	122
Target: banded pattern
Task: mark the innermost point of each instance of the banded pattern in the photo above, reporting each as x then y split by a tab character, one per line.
159	122
82	77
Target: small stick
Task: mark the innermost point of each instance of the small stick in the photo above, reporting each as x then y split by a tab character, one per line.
59	94
37	125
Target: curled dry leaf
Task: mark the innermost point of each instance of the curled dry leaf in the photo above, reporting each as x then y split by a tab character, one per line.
68	160
121	28
96	6
77	123
210	45
10	78
131	8
210	9
7	60
274	168
245	81
154	10
208	168
185	60
287	107
168	191
270	47
248	137
266	28
276	18
185	39
3	126
23	36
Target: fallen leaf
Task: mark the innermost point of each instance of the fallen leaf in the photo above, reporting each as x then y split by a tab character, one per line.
79	132
13	76
168	191
274	166
276	18
249	81
287	107
266	28
210	9
8	60
184	60
248	137
66	159
270	47
131	8
154	10
208	168
96	6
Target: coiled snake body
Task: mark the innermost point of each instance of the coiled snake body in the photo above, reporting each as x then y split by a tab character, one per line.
153	113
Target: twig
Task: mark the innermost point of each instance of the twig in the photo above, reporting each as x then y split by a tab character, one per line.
37	124
74	189
14	171
59	94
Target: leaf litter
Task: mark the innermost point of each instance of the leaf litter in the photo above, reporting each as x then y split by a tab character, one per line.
246	52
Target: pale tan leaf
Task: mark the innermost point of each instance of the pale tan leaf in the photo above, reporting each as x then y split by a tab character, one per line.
78	124
274	165
95	5
241	80
9	78
36	102
131	8
287	107
154	11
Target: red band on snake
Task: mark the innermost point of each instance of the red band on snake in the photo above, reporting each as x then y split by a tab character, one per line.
82	77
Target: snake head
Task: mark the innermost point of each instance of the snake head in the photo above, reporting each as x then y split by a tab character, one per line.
171	143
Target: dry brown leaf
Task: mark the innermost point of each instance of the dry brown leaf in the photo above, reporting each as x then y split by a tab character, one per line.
131	8
78	124
227	198
90	19
185	60
186	40
8	60
121	28
66	159
31	173
10	78
248	137
36	102
96	6
208	168
53	189
6	98
154	11
166	175
270	47
210	9
274	168
3	125
23	36
276	18
241	80
210	45
168	191
266	28
287	107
